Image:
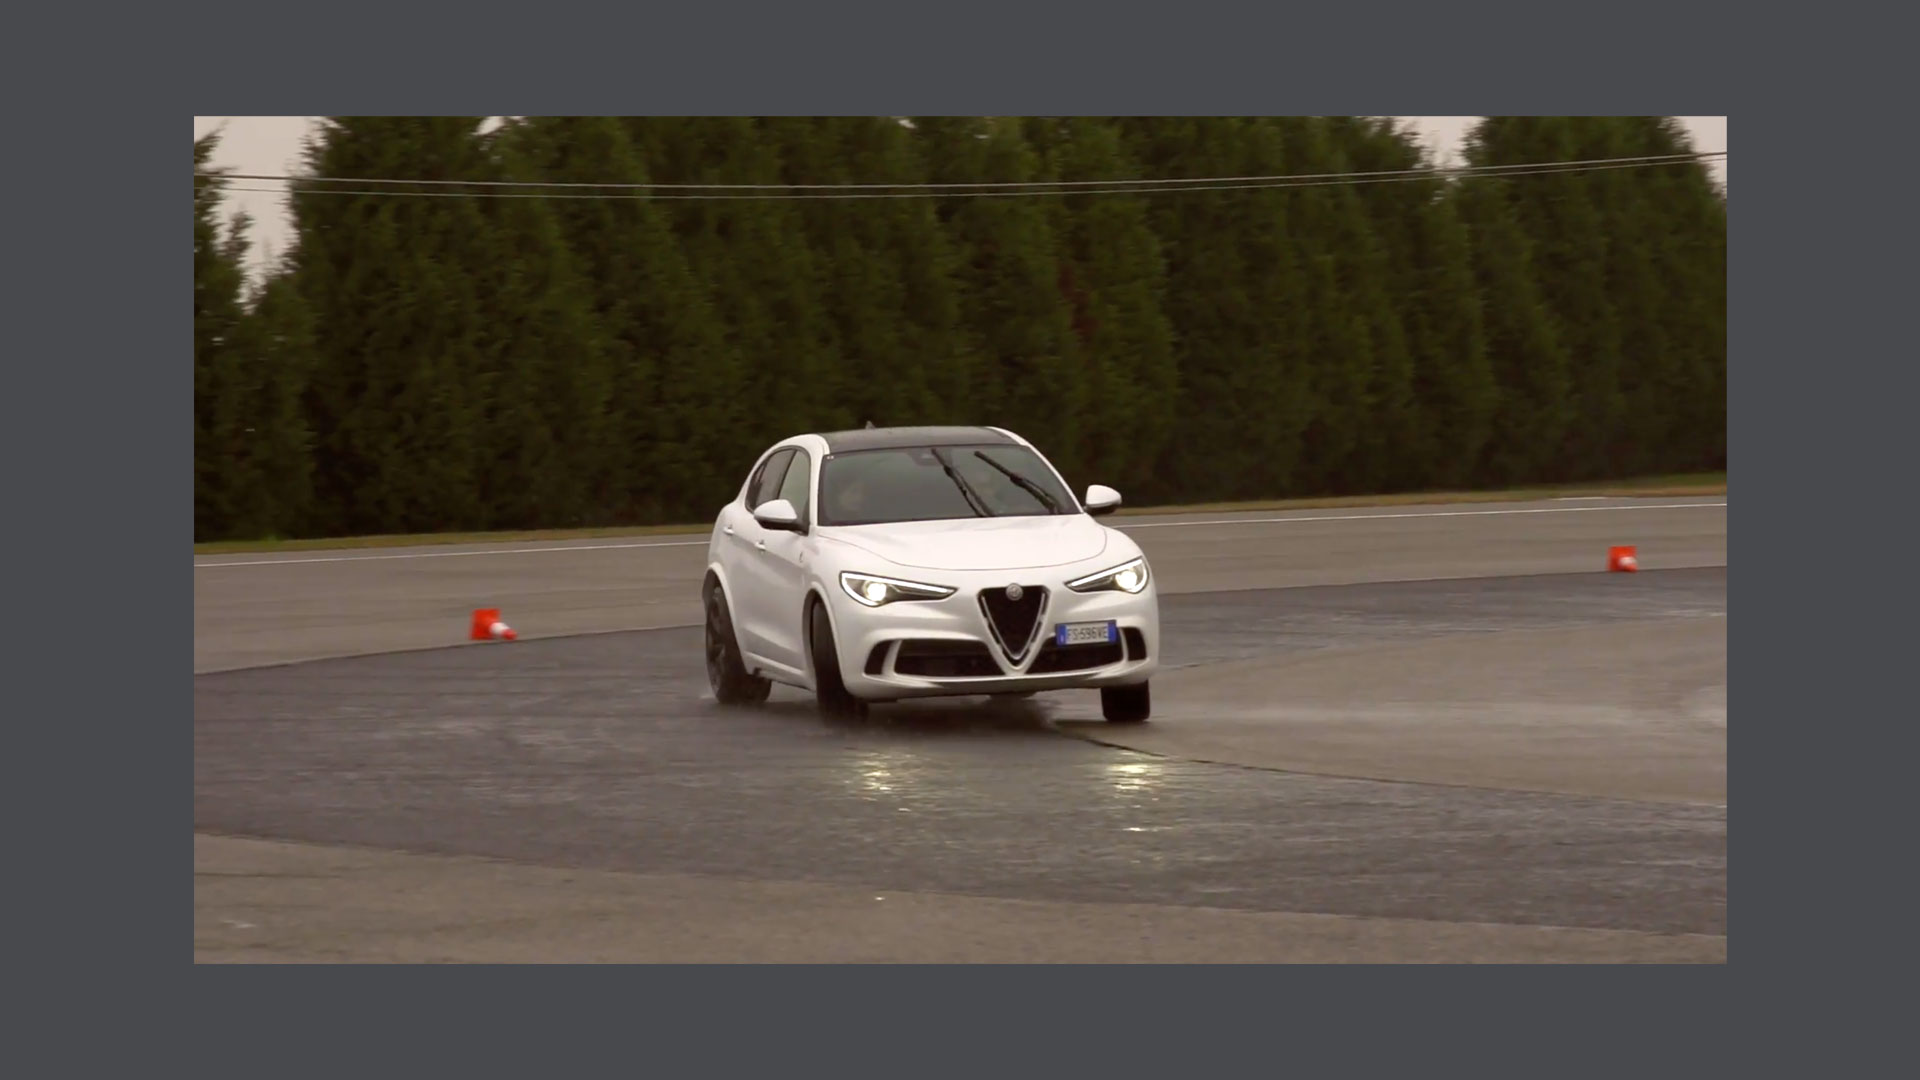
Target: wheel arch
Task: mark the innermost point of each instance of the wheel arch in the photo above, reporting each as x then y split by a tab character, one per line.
817	596
717	575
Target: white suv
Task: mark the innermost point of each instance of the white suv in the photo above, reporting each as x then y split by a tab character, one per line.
880	564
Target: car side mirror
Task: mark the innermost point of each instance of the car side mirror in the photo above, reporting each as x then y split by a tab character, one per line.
1102	500
778	515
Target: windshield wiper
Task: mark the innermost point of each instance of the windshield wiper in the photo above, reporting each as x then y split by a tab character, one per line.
1031	488
973	499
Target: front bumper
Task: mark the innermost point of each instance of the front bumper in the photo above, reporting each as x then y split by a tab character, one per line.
948	647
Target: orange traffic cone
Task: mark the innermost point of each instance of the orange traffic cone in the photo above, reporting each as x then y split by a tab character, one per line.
487	626
1622	560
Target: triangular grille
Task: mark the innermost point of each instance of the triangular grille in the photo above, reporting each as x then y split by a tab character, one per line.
1013	621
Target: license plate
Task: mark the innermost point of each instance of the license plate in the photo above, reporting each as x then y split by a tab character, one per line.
1085	633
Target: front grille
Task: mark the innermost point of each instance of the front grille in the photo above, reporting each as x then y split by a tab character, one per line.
1013	620
1057	658
933	658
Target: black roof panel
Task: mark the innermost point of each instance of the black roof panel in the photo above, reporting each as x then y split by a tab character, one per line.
895	438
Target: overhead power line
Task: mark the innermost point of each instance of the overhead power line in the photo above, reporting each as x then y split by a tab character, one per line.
1653	159
932	191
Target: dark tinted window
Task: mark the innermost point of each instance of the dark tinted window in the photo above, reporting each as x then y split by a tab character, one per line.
766	483
794	487
872	486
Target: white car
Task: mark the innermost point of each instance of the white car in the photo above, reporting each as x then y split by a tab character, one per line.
887	563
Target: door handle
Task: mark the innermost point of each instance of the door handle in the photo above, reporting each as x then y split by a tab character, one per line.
729	530
760	545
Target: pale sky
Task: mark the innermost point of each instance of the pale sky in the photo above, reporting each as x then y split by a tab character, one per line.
271	144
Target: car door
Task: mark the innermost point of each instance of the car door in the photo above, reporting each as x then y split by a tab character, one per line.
784	569
747	564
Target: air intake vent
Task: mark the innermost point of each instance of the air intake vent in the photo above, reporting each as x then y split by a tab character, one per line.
1057	658
941	659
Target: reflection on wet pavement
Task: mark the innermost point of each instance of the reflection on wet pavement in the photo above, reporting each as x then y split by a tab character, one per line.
600	752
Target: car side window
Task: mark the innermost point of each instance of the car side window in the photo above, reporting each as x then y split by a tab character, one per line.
766	485
794	489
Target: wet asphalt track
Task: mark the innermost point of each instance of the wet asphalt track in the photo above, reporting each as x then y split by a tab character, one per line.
602	751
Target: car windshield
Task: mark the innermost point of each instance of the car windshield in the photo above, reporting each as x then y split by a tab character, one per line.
872	487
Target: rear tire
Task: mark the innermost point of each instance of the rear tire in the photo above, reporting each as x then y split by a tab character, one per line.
830	690
1126	704
731	682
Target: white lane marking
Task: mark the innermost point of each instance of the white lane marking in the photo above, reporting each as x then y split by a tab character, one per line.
1142	525
1433	514
448	554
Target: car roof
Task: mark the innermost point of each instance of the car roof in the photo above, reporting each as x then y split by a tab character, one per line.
896	438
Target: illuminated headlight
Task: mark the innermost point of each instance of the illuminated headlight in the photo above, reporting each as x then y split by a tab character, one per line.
1128	577
874	591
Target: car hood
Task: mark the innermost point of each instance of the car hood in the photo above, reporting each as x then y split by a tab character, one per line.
980	543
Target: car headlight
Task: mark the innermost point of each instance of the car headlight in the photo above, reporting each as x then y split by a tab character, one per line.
873	591
1128	577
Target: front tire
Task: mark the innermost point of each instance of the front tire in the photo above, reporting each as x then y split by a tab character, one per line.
830	690
1126	704
731	682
